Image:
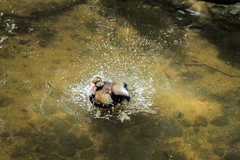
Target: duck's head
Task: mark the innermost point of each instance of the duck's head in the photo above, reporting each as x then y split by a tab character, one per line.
96	82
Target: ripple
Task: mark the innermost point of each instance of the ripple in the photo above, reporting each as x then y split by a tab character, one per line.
77	102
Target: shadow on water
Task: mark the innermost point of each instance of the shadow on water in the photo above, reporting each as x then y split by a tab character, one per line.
148	18
226	40
20	24
152	23
153	18
145	136
12	25
48	139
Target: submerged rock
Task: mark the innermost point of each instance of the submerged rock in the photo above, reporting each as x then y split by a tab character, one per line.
218	151
19	152
150	130
185	123
4	134
87	154
46	148
23	132
71	118
219	121
232	156
196	128
5	101
174	131
66	150
130	143
60	126
234	136
50	109
83	142
171	129
39	138
201	121
67	138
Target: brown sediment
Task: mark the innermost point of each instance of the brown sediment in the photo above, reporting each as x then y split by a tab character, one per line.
185	98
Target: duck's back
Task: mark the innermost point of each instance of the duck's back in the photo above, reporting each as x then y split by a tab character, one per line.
109	94
103	95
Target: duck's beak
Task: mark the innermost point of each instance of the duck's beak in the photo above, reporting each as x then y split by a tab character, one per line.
91	88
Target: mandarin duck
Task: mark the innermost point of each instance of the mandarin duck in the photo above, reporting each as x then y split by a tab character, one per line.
108	94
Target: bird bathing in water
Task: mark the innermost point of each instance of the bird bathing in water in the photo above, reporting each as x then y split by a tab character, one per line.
108	94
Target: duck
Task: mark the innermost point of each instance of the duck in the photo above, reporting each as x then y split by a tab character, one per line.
108	94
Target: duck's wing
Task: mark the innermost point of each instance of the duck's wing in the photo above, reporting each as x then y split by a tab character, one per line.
102	99
120	89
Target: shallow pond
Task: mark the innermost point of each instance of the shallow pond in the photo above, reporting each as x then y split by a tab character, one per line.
182	70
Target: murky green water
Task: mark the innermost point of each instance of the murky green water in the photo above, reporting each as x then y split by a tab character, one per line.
182	70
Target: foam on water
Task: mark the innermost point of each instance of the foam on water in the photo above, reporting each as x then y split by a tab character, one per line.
141	90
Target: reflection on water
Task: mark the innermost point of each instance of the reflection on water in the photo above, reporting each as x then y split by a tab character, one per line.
184	82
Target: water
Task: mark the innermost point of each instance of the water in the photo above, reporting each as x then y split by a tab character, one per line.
182	70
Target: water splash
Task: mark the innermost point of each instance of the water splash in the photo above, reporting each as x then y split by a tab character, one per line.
10	25
78	103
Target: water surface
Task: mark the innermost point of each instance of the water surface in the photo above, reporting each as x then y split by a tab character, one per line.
182	70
